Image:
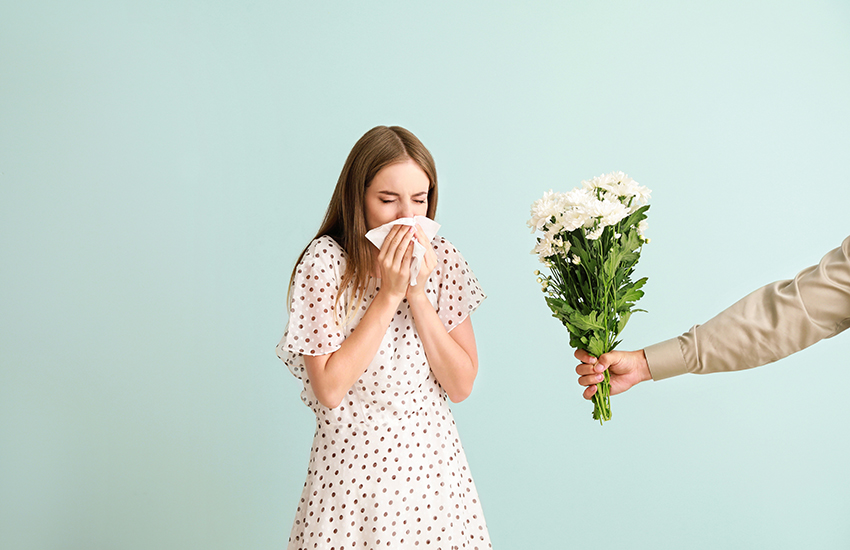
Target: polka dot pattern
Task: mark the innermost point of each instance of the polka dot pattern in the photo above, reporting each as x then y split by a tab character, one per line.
387	469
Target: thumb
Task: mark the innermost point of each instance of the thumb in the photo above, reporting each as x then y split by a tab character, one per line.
610	358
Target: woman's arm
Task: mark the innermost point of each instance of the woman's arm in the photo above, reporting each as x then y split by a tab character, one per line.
332	375
452	356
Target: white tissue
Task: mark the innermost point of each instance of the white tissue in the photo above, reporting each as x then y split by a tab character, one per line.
377	236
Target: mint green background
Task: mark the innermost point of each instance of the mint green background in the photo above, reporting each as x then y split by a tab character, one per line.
163	163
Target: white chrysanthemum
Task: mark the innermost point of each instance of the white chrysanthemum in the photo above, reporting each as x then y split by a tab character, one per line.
543	249
615	211
605	182
619	186
601	202
596	233
543	209
550	244
577	197
642	228
606	212
632	193
561	246
572	219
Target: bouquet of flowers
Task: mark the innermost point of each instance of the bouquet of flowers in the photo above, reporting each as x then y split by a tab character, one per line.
591	242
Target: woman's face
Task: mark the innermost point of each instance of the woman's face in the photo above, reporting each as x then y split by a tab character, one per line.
399	190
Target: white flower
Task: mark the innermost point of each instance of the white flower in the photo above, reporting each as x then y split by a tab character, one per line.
559	246
576	260
601	202
595	234
631	193
572	219
543	249
618	186
614	212
605	182
577	197
642	229
607	212
543	209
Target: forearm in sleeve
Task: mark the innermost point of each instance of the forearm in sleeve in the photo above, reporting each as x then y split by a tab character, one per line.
765	326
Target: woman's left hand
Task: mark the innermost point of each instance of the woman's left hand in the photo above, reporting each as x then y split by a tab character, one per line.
429	262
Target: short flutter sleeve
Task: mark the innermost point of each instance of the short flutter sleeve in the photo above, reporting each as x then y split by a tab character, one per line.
312	328
458	291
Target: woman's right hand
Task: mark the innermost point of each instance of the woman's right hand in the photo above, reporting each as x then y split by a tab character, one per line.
394	260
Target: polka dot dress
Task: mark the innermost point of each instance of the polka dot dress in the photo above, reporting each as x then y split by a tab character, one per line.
387	469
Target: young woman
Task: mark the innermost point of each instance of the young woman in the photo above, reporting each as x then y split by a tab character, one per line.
379	357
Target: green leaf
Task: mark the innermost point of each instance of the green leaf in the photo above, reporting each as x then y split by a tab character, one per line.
587	322
624	318
632	295
596	346
633	219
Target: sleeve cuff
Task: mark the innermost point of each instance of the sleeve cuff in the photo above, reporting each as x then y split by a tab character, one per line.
665	359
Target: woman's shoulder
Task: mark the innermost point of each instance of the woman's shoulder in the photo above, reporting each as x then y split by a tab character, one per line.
325	249
442	245
323	252
458	290
449	258
443	248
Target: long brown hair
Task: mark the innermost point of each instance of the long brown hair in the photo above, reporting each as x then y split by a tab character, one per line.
345	219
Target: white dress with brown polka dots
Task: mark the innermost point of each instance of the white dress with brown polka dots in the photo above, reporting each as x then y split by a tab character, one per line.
387	469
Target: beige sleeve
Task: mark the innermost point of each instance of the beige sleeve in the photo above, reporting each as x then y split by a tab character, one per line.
765	326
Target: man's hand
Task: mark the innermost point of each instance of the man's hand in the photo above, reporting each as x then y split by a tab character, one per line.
626	369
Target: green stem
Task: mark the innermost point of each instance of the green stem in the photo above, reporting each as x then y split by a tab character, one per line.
602	401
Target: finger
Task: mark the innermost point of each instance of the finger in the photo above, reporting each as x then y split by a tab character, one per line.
583	369
590	380
588	392
393	241
394	236
408	254
429	259
417	232
421	236
388	242
584	357
405	245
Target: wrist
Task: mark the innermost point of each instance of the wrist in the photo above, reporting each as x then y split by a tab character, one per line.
416	296
387	298
645	373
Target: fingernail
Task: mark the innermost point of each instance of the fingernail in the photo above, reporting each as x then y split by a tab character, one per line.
599	368
598	377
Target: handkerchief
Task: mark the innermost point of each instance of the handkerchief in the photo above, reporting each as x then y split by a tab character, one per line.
377	236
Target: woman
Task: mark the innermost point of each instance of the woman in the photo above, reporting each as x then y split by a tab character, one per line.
379	356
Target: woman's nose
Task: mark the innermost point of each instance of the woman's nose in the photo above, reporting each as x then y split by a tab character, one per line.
406	210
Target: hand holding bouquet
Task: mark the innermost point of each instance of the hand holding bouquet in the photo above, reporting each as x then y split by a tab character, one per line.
591	242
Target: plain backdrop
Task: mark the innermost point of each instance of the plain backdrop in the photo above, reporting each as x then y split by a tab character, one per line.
162	164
